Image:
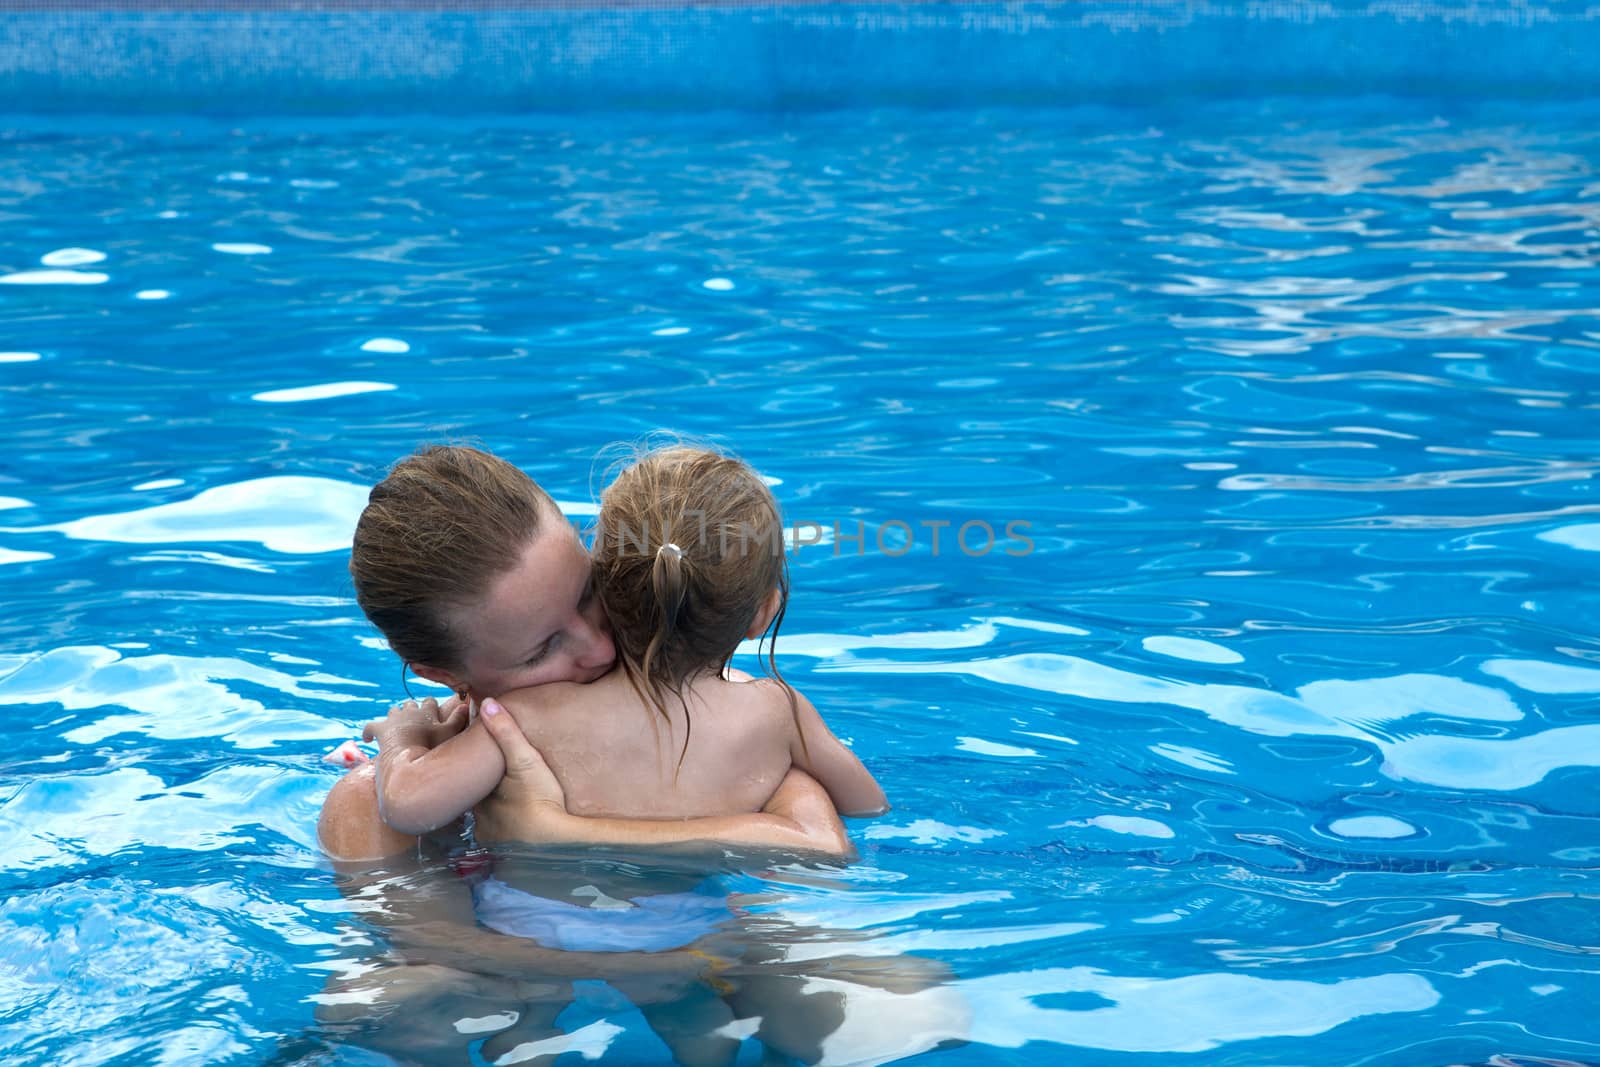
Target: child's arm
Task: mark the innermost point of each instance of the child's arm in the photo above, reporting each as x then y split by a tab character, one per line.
427	778
825	758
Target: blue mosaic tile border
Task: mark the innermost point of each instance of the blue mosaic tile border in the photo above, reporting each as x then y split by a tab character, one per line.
340	57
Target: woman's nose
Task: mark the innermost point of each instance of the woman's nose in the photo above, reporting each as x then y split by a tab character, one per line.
598	651
595	648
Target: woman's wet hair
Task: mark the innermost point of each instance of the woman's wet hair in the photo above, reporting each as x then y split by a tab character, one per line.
446	522
688	547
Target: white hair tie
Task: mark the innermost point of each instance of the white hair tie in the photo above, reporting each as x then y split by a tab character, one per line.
676	552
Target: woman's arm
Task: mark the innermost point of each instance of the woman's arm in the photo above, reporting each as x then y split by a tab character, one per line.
798	819
350	829
426	777
825	758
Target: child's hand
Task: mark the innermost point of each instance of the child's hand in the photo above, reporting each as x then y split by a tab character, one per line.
455	715
424	724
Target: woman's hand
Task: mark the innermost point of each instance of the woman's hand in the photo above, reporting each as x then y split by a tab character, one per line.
423	724
529	788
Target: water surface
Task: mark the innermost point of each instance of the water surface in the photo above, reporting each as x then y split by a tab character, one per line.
1267	735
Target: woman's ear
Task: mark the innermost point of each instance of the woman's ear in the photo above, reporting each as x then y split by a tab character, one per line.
438	676
764	615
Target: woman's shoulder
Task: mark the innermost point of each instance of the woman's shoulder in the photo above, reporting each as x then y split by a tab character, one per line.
350	828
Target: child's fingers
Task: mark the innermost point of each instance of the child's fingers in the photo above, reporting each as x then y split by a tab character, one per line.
402	715
427	707
455	720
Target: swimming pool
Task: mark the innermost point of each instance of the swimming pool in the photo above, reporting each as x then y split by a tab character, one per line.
1266	734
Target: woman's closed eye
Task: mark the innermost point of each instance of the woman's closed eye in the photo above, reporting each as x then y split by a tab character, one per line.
543	652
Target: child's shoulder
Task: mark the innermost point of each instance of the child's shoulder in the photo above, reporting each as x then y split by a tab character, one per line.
754	710
539	696
761	691
538	704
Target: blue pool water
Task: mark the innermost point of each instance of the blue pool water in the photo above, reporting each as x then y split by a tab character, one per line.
1274	742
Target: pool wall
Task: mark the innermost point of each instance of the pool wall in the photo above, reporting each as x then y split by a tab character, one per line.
340	58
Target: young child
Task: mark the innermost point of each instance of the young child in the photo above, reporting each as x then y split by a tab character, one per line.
688	562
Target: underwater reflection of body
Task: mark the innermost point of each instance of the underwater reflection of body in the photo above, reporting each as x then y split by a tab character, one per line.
442	983
735	976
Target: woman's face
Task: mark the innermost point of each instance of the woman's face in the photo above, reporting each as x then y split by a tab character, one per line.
539	622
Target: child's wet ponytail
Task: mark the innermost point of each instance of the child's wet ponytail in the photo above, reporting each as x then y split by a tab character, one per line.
669	581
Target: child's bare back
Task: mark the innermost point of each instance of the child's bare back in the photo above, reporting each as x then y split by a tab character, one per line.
617	756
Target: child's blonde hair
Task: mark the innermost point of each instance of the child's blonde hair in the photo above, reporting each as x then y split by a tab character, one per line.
688	547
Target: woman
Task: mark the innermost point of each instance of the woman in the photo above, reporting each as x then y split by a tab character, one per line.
479	584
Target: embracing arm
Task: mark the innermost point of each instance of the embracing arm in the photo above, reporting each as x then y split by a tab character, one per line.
798	819
825	757
427	778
